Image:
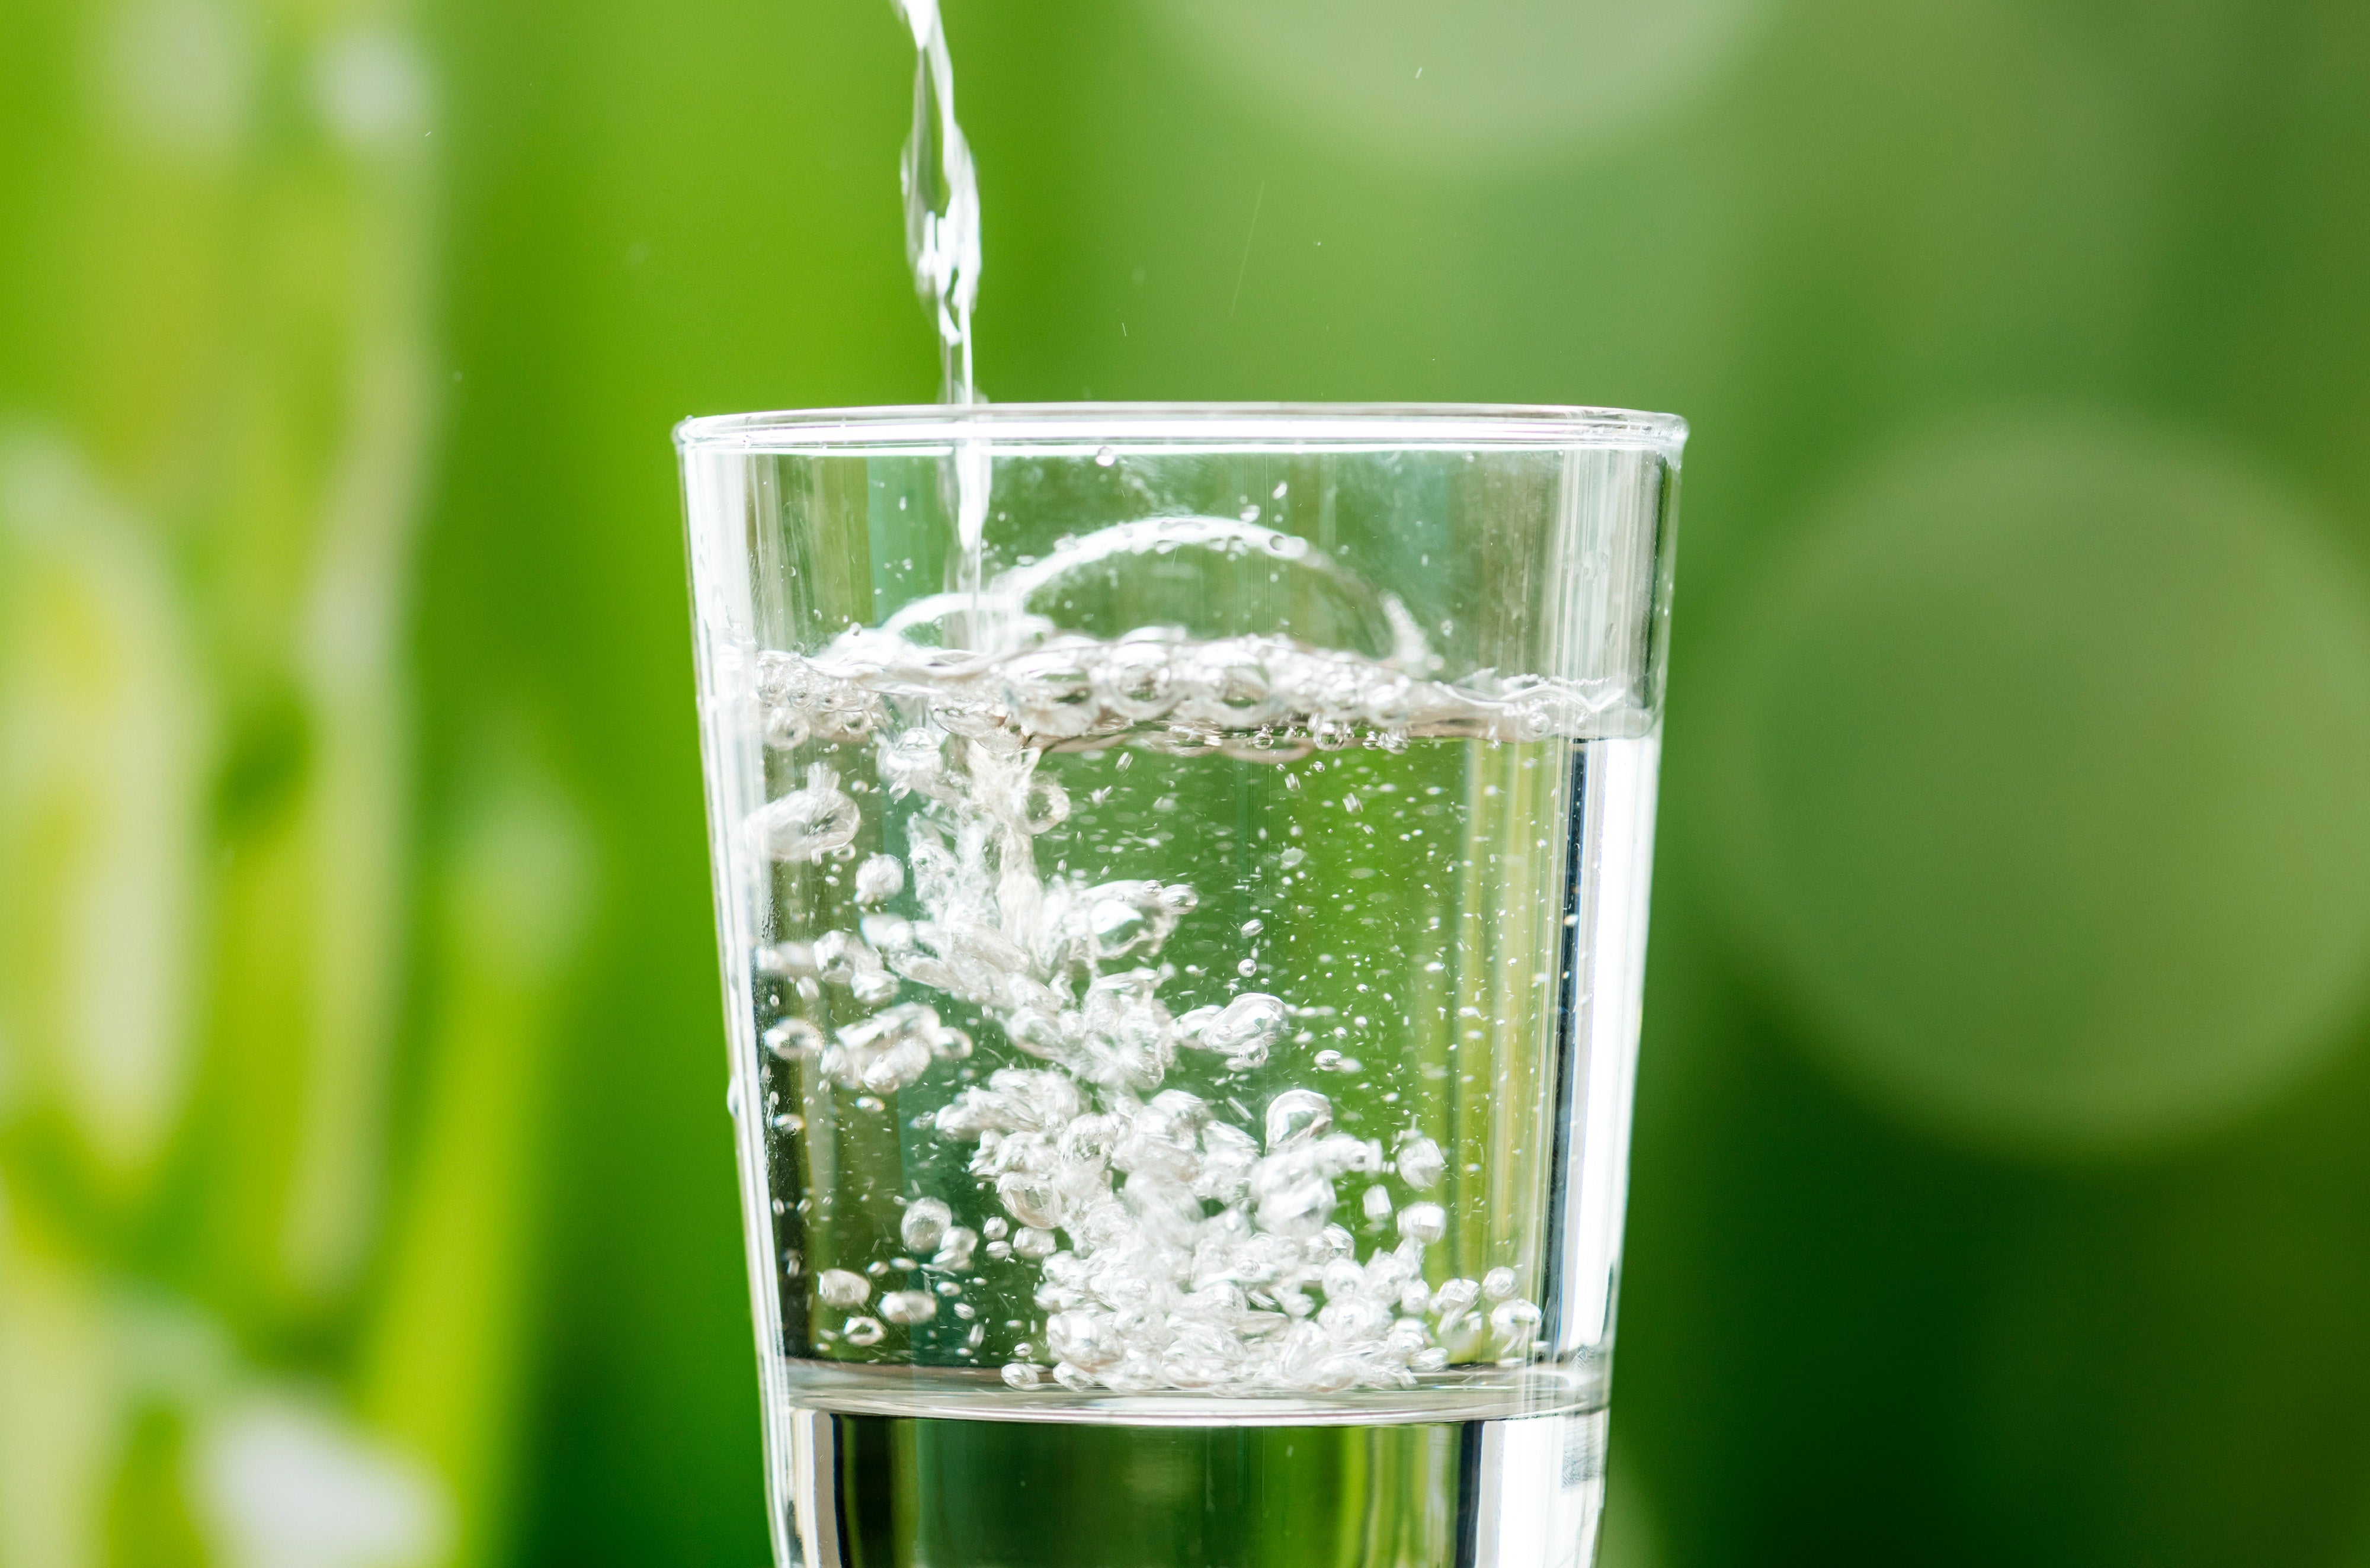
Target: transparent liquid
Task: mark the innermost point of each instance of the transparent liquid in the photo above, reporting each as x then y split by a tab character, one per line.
886	1492
1176	1034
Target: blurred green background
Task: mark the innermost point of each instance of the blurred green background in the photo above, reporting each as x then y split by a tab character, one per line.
2002	1183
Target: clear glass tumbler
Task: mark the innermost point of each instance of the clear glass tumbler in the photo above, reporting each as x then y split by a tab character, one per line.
1181	874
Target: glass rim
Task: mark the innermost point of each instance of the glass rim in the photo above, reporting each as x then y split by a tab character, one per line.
1091	424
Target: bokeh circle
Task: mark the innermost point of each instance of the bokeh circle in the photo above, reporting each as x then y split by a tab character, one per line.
2044	771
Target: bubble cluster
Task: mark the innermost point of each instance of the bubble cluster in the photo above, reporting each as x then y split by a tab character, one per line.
892	1049
1265	1294
1180	1243
1260	697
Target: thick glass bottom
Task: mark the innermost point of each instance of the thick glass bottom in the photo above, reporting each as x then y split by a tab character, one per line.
888	1492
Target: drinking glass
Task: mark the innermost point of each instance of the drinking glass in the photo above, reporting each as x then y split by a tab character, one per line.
1182	876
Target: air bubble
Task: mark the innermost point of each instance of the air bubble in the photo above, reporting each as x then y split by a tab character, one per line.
1137	681
1243	1031
1048	807
886	1052
878	879
1512	1324
786	729
840	1287
912	761
909	1305
1297	1115
1051	695
793	1039
925	1221
955	1250
806	824
1083	1340
1420	1163
1422	1223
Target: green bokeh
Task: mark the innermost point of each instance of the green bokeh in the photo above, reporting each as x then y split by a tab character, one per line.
2044	754
1879	255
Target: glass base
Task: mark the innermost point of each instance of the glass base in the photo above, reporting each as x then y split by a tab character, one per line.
893	1491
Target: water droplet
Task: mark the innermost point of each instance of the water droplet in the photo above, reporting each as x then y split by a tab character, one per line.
864	1331
1104	457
